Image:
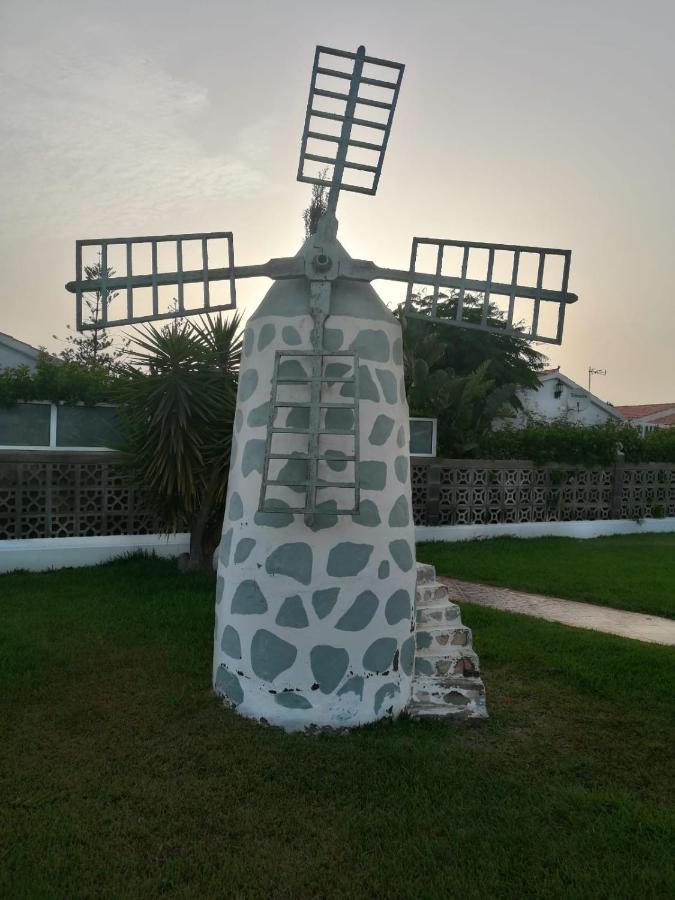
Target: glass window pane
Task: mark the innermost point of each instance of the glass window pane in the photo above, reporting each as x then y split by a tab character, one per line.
88	426
25	425
421	436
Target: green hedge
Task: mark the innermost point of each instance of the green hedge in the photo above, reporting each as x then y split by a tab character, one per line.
593	445
56	381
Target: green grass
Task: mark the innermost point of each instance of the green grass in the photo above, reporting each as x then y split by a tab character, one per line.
122	776
634	572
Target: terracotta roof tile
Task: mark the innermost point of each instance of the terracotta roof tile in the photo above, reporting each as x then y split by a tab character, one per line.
644	409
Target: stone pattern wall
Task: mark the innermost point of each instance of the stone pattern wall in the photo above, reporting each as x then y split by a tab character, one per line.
447	678
314	620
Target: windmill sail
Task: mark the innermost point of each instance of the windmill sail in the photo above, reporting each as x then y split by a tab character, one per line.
497	288
352	100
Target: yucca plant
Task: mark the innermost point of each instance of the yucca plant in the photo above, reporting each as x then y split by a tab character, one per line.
178	402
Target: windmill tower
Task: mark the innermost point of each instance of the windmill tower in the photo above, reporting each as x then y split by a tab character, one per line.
315	615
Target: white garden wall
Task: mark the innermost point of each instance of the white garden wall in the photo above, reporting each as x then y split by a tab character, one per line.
593	529
41	554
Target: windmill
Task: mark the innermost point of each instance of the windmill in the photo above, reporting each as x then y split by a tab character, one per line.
315	615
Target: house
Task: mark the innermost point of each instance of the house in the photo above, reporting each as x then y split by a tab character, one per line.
40	425
15	353
649	416
560	399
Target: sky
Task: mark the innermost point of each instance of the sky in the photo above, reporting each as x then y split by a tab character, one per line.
527	122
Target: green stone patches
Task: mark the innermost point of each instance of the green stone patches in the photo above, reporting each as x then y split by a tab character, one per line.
220	587
388	385
372	344
276	519
401	468
248	599
339	419
270	655
398	607
408	655
298	417
325	516
258	416
238	420
291	368
253	456
247	385
266	336
386	692
248	341
324	601
402	555
243	550
422	666
397	351
291	700
348	559
292	613
336	370
367	387
230	642
225	545
373	475
329	665
352	686
291	336
360	613
399	516
292	560
228	685
381	430
336	463
294	469
380	655
236	510
367	515
400	437
383	569
333	338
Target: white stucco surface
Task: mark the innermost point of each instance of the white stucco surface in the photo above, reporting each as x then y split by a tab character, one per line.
314	622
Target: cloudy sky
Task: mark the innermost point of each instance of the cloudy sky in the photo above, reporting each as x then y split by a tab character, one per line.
534	122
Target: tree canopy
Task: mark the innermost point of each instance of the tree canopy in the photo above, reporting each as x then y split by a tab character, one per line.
463	377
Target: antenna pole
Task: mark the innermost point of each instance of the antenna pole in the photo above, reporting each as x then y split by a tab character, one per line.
592	372
343	146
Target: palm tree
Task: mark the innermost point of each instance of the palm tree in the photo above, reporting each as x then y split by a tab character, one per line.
178	401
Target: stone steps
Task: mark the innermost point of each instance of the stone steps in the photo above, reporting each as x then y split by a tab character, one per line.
446	680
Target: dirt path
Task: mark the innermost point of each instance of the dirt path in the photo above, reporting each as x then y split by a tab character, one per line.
639	626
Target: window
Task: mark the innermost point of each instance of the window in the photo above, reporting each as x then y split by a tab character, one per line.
48	426
423	437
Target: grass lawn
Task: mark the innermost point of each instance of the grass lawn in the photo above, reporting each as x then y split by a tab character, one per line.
635	572
121	776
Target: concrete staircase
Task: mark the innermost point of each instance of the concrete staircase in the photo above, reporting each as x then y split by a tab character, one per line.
447	678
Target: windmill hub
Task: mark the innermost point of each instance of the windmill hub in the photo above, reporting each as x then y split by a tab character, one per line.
315	614
322	263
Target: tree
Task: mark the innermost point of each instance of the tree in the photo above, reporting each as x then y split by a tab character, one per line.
513	360
464	378
95	348
178	403
317	206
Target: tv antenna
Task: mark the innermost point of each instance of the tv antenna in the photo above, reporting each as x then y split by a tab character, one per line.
592	372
